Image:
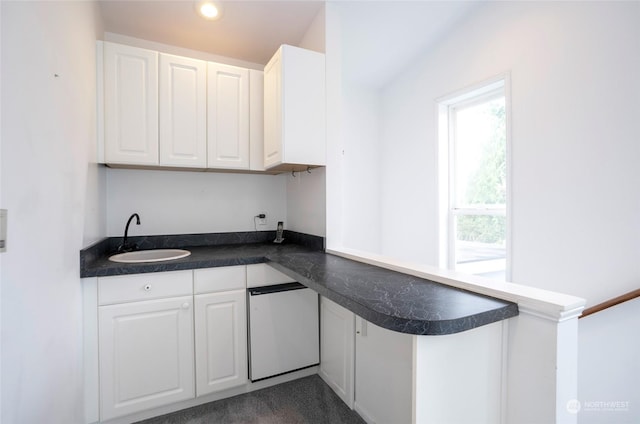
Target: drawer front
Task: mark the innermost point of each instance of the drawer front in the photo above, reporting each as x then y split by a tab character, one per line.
155	285
211	280
265	275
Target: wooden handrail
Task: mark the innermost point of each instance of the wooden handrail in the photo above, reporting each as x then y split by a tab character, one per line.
609	303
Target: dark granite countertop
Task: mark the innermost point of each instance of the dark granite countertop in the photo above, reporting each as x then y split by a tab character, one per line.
389	299
201	257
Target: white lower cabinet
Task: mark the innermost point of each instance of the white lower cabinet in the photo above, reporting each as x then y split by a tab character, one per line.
337	329
146	355
383	369
220	328
367	366
221	341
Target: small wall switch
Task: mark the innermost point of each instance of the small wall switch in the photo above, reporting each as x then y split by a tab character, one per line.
3	230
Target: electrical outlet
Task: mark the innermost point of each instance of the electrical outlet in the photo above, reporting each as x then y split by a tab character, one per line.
262	218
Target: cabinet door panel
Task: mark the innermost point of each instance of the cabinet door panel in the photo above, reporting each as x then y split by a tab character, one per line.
384	361
294	109
273	111
228	116
256	120
183	112
303	106
131	105
337	331
146	355
221	341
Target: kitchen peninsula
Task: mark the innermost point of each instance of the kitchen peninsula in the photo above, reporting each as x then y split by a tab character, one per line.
392	300
411	343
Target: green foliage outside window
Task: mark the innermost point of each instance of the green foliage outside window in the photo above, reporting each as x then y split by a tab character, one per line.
488	185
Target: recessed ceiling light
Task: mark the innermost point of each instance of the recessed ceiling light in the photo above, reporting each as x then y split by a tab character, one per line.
209	10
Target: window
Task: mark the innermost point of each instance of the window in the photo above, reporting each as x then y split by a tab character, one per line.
474	181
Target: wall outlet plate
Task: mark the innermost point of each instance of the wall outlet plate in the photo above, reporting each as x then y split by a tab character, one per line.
262	221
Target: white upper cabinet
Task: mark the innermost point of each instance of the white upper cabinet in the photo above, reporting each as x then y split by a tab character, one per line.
294	110
273	111
172	111
183	112
130	105
228	116
256	120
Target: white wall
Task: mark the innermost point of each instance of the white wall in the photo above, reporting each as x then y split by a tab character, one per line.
95	210
608	365
48	124
314	37
306	205
353	150
177	202
575	100
575	97
0	207
306	200
361	167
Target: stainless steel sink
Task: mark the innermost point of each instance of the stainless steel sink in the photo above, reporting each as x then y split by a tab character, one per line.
154	255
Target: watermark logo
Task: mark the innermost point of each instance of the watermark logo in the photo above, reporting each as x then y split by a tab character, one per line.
574	406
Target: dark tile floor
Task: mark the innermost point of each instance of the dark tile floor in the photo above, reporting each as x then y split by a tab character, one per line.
305	401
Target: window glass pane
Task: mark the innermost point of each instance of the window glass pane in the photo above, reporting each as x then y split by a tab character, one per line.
480	245
480	154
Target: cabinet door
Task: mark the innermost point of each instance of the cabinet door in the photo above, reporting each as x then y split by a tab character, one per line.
337	332
221	341
228	116
183	112
294	109
256	120
384	363
273	111
146	355
130	105
303	106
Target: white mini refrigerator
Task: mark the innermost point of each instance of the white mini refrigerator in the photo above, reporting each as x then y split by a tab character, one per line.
283	330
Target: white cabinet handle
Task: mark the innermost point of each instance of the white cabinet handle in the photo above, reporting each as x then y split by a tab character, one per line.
185	305
147	287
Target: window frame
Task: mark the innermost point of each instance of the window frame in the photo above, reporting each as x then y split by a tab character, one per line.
449	209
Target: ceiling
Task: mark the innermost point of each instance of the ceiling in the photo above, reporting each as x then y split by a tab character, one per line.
380	37
248	30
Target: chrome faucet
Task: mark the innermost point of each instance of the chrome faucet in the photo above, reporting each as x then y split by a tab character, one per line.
125	246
